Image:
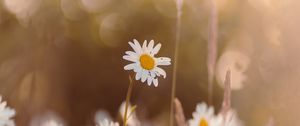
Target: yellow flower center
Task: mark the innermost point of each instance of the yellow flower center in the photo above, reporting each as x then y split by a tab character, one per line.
203	122
147	62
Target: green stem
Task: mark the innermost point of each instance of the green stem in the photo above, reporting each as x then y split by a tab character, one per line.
129	91
212	49
174	74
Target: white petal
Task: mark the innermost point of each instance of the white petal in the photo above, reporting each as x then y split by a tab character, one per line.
156	49
152	73
155	82
144	47
150	45
210	111
130	66
130	58
136	48
138	45
160	71
195	115
201	108
144	75
149	81
138	75
137	68
163	61
131	53
2	105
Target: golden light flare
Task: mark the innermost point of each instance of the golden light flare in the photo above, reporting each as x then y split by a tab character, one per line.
71	9
112	28
95	6
23	9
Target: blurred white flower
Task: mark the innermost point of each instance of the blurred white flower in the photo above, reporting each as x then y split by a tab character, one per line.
237	63
132	119
51	123
47	119
144	63
204	116
231	119
106	122
6	114
101	115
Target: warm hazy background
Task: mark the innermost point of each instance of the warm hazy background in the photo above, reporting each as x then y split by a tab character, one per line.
65	56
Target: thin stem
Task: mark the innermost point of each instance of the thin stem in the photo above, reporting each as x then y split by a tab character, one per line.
129	91
212	48
227	94
179	116
174	74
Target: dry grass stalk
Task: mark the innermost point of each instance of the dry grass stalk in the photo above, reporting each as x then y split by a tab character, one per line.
179	4
179	114
226	105
212	48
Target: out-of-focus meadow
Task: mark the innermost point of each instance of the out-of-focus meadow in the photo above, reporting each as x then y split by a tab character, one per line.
65	57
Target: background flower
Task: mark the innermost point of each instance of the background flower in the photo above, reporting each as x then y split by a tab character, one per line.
204	116
67	57
6	114
132	119
144	63
106	122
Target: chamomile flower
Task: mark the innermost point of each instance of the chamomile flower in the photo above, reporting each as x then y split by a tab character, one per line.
49	118
204	116
6	114
106	122
144	63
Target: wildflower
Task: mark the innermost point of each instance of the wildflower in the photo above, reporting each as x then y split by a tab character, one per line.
101	115
51	122
204	116
49	118
106	122
144	63
6	114
238	63
132	119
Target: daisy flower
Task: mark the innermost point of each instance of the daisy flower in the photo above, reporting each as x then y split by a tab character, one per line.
204	116
144	63
49	118
106	122
51	123
6	114
101	115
